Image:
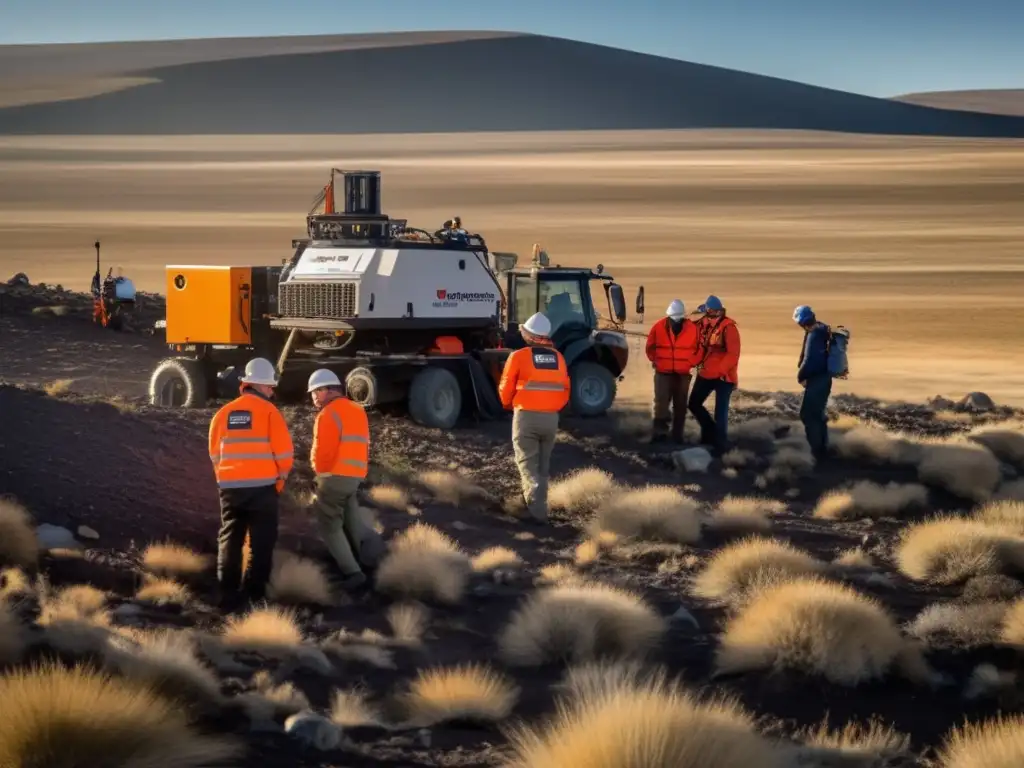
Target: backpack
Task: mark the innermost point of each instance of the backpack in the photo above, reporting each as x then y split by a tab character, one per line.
836	351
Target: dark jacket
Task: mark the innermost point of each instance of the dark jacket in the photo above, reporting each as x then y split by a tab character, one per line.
814	355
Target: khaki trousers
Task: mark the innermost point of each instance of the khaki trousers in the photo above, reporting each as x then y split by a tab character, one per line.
350	540
533	438
670	389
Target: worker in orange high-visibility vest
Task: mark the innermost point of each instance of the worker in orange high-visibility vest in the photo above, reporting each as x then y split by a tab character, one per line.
252	454
674	348
535	386
340	457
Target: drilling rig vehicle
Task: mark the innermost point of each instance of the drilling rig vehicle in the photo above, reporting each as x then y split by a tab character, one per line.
113	297
403	316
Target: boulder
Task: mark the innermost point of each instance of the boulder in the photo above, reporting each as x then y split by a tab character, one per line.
692	459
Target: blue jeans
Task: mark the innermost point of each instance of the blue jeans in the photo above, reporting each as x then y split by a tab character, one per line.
814	413
712	431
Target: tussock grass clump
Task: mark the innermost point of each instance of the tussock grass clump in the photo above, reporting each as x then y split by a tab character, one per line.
651	722
968	625
871	744
424	563
868	499
1006	443
497	558
163	591
271	632
995	743
19	547
13	637
582	492
468	692
735	571
965	469
657	512
744	514
80	598
816	626
759	428
454	488
408	622
1012	630
299	581
390	497
74	620
174	560
579	622
788	464
875	445
737	458
855	557
58	716
1002	513
350	708
15	585
948	549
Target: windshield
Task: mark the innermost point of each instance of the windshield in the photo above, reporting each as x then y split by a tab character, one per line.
561	300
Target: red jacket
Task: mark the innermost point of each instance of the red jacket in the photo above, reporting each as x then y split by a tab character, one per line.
721	339
671	353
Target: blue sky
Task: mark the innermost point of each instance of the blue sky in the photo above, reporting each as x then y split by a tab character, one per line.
876	47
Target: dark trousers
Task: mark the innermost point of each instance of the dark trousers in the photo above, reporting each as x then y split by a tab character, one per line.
712	431
814	413
253	511
670	389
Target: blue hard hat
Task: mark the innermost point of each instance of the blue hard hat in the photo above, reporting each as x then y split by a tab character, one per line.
803	314
714	303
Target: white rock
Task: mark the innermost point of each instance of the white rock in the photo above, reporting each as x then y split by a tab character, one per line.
692	459
313	730
56	537
85	532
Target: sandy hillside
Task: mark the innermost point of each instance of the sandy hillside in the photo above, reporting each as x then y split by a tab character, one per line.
416	83
914	244
1006	101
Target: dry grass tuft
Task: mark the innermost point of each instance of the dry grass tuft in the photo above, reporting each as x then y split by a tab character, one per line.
390	497
174	560
579	622
1005	443
424	563
738	458
582	491
408	622
454	488
15	585
745	514
163	592
497	558
734	572
558	573
965	469
948	549
854	557
466	693
19	547
13	637
759	428
1002	513
875	445
56	716
995	743
350	709
1012	630
657	512
58	387
648	722
81	598
814	625
868	499
788	464
873	744
271	632
67	629
298	581
968	625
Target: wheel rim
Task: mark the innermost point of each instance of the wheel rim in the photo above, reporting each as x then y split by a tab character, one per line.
172	393
358	389
592	392
443	402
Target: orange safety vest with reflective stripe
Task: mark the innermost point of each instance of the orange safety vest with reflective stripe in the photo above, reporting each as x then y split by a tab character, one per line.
341	440
671	353
250	445
535	379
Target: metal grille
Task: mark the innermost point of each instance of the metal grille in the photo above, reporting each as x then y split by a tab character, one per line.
328	301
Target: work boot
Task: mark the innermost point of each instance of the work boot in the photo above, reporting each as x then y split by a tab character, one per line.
353	581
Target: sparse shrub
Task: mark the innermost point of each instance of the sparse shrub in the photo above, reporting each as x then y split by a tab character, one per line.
298	580
174	560
469	692
868	499
657	512
948	549
270	631
579	622
59	716
390	496
19	546
964	625
745	514
734	571
965	469
995	743
424	563
1012	630
650	722
582	491
813	625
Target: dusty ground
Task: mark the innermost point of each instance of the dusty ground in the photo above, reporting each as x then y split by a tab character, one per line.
913	244
79	446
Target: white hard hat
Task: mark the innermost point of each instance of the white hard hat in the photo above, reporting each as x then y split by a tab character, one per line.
323	378
259	370
676	310
538	325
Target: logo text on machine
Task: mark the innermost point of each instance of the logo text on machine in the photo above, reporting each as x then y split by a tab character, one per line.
447	298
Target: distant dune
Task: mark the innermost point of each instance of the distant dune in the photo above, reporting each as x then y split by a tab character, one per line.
1008	101
431	82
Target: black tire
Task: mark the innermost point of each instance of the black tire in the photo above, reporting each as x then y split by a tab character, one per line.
361	387
179	382
435	398
592	389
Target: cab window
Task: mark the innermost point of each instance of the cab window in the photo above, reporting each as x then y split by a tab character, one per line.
526	298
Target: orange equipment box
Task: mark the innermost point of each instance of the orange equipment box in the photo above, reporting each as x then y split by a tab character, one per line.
209	305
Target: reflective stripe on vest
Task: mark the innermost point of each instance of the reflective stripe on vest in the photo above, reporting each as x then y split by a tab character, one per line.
246	460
